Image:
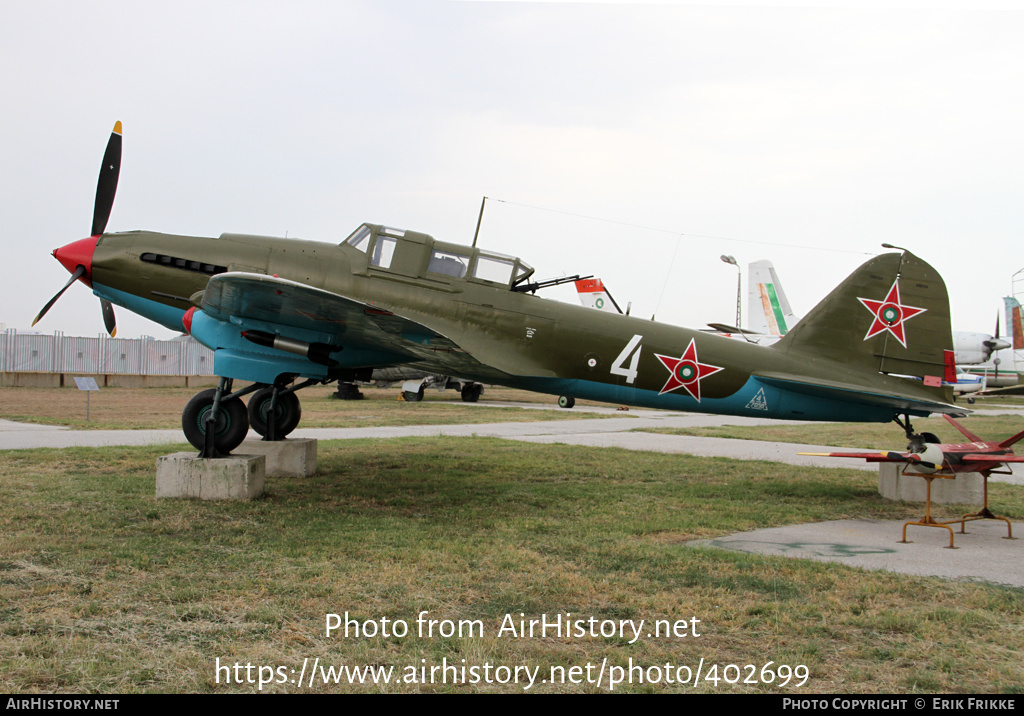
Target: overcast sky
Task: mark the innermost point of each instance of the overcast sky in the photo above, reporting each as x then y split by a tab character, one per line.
634	142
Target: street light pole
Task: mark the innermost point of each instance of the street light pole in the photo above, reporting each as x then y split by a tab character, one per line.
739	301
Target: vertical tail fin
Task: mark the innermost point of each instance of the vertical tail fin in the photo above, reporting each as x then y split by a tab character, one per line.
1013	322
593	294
768	310
967	433
889	316
1011	440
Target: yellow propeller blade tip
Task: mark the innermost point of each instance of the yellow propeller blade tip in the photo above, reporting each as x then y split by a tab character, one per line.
117	127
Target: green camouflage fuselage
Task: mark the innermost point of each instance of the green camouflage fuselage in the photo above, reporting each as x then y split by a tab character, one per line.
825	369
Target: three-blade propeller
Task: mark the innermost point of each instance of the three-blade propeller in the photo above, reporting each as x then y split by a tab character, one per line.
106	188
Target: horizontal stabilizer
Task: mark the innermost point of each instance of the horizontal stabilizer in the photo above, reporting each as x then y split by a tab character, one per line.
913	397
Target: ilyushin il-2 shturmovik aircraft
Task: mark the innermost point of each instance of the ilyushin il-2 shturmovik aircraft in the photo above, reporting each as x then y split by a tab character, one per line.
278	310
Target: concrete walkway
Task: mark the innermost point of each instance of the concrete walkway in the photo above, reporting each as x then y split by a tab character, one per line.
605	432
621	431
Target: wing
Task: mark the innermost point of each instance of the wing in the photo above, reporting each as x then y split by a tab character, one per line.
879	456
991	459
297	311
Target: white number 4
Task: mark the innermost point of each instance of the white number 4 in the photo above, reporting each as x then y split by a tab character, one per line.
619	368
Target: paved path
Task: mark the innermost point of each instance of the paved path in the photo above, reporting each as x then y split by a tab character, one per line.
598	432
621	431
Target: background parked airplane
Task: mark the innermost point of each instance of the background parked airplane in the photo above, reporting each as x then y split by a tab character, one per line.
999	368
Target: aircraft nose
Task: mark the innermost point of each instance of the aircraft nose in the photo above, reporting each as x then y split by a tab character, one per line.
78	253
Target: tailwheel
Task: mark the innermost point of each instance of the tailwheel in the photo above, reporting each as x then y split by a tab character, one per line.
230	425
287	412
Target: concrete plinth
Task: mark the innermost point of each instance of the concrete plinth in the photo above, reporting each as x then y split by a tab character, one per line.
237	477
285	458
967	488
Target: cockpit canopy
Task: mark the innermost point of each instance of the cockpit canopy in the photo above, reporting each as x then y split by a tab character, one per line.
411	253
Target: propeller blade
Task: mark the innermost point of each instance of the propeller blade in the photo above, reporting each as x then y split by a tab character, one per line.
108	317
916	460
79	272
106	187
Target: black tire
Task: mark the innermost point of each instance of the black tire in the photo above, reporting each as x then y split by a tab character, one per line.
287	412
564	401
413	397
471	392
232	422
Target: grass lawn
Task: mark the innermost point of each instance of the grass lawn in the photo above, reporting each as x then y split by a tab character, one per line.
105	589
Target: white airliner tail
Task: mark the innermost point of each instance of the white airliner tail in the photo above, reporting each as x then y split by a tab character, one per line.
768	310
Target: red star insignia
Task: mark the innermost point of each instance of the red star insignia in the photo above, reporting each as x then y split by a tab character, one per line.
890	314
687	371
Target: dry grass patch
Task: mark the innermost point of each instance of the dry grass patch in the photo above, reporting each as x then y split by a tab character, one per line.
160	408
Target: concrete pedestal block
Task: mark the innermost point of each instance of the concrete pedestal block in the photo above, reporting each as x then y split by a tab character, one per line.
285	458
967	488
237	477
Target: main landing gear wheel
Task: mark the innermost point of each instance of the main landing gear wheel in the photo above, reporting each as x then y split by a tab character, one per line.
287	412
412	397
471	392
231	426
565	401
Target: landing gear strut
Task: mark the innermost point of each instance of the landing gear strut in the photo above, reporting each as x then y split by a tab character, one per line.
916	441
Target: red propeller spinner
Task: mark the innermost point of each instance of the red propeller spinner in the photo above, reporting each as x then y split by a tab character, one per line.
78	253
